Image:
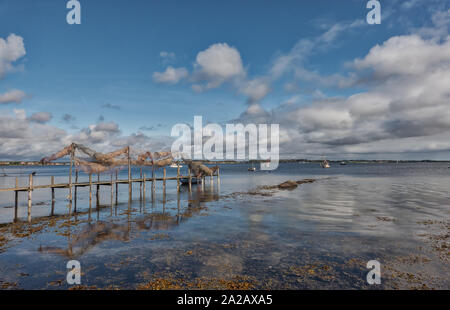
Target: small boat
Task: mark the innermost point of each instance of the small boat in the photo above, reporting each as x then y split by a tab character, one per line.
252	168
175	165
325	164
343	163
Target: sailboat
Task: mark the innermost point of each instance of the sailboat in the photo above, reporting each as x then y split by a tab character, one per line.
325	164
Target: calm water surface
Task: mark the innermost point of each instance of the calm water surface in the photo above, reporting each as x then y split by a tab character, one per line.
319	235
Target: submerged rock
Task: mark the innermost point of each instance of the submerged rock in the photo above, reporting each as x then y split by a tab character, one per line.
288	185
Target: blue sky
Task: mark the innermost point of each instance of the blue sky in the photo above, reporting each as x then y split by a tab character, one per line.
103	71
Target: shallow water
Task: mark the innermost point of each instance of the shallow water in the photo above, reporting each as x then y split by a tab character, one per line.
319	235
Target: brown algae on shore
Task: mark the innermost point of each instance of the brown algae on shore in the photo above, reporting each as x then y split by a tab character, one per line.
170	283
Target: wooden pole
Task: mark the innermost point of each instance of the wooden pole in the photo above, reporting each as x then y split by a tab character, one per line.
129	176
16	200
112	190
164	184
145	180
117	187
70	176
218	179
30	189
90	189
76	189
53	195
178	178
98	189
190	179
178	207
140	186
153	182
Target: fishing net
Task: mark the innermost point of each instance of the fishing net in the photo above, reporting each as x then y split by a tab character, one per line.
91	161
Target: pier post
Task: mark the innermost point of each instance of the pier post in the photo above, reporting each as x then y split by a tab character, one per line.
117	187
218	180
178	207
76	189
16	200
153	182
30	189
90	195
190	178
164	184
178	178
53	195
90	188
98	189
112	190
140	186
70	176
129	176
144	187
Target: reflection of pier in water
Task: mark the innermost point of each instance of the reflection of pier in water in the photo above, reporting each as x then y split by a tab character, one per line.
93	234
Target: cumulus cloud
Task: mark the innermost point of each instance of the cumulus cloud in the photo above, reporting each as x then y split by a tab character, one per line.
40	117
25	139
405	55
255	89
31	138
170	75
216	65
213	67
11	50
12	96
406	107
106	127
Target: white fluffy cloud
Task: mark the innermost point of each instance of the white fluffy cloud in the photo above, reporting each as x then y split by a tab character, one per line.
216	65
405	55
11	50
406	107
31	138
255	89
12	96
170	75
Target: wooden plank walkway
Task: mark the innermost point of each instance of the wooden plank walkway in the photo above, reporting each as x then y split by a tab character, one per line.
113	182
84	184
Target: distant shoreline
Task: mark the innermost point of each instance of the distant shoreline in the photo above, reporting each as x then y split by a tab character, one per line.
356	161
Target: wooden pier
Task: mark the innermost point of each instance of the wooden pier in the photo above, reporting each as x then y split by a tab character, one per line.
113	183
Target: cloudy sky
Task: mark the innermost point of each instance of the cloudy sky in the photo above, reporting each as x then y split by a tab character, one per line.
337	86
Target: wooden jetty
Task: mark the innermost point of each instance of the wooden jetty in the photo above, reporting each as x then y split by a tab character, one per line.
113	183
